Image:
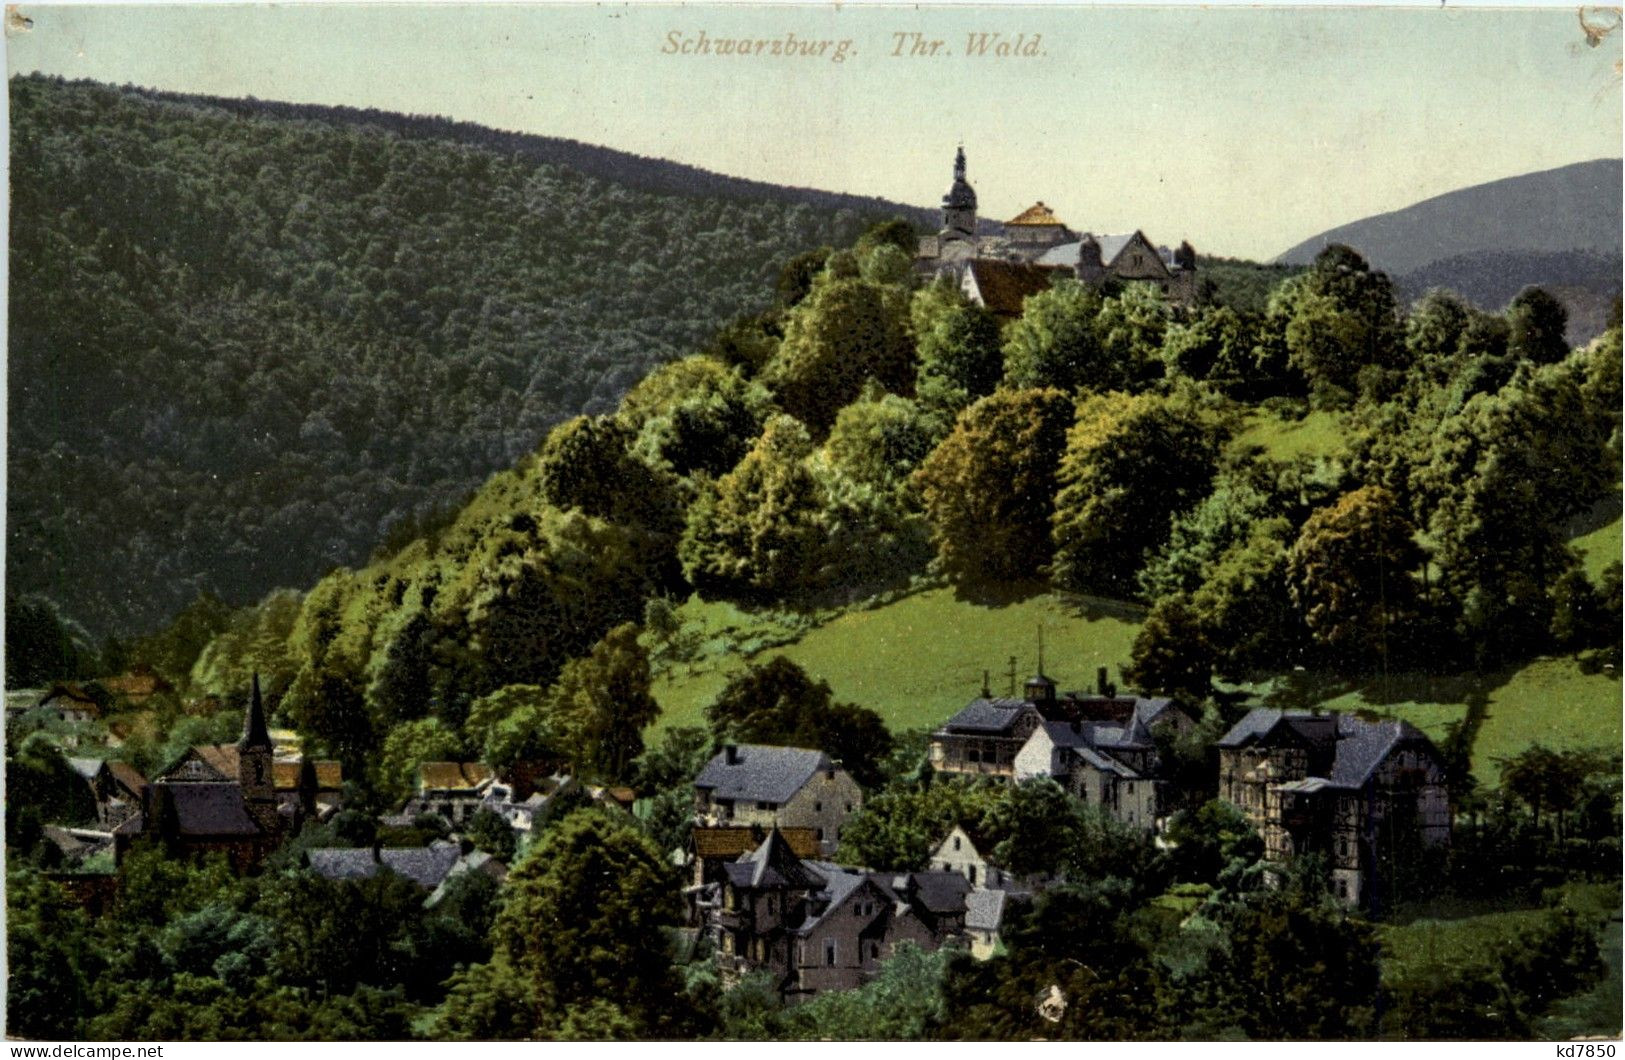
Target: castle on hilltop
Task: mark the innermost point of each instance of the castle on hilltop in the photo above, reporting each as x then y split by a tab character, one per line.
1001	269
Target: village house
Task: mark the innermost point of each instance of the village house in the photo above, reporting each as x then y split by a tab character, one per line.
1046	247
1369	796
815	926
1106	759
522	814
71	703
709	849
971	855
776	787
118	788
1100	747
454	790
986	912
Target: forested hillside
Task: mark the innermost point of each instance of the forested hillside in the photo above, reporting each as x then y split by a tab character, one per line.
247	340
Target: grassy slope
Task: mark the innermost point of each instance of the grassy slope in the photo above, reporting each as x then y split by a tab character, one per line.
918	660
1550	700
1600	548
1317	434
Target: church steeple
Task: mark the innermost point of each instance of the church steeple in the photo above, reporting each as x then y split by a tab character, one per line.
959	205
254	731
254	767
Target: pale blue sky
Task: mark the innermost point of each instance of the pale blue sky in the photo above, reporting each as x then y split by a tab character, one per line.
1244	130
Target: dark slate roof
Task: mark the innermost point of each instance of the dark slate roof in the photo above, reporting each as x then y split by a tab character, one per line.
839	883
1069	734
1358	746
773	864
254	734
984	910
939	892
209	809
762	774
986	715
1257	723
1362	745
425	866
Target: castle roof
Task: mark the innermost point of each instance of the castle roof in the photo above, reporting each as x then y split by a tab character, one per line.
1002	286
1036	214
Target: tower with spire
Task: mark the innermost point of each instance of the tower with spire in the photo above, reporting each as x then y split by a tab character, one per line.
254	764
959	205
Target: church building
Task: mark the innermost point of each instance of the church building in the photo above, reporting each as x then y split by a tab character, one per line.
216	799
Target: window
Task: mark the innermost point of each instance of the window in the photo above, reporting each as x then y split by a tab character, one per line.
818	807
972	870
820	835
829	952
956	842
849	807
767	805
874	951
1342	888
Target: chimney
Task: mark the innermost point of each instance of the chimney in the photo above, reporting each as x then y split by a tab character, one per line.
730	753
377	848
1100	681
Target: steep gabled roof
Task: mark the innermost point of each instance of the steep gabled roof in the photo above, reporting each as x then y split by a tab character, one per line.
760	773
839	885
1255	725
984	910
937	892
127	777
1003	286
1362	746
773	865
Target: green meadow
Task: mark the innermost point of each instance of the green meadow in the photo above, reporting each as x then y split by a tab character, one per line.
916	660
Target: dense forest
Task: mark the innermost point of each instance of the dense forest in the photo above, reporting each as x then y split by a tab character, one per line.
867	432
249	339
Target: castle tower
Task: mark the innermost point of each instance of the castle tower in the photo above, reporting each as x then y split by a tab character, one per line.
959	205
254	764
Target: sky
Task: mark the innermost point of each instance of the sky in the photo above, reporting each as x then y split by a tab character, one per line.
1243	130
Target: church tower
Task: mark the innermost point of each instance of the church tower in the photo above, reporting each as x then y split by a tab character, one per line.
254	764
959	205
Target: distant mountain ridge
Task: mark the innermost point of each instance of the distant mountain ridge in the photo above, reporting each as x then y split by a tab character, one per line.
642	172
1575	207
